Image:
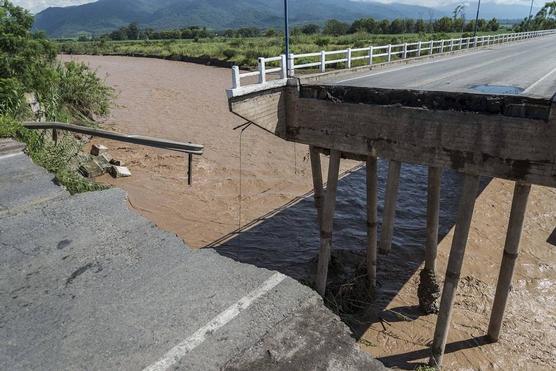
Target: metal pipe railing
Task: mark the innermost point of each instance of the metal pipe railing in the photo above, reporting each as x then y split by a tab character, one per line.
189	148
387	51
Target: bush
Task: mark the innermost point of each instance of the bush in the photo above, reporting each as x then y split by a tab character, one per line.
322	41
82	91
229	53
11	97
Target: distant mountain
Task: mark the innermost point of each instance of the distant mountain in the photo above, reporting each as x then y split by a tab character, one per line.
106	15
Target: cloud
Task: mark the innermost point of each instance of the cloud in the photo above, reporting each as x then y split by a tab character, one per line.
36	6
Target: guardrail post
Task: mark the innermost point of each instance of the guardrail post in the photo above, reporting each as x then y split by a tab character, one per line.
283	66
348	57
370	55
262	71
451	44
236	79
404	50
431	47
419	49
475	39
291	64
389	52
322	61
441	46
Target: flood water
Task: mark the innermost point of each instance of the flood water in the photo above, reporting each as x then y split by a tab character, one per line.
289	240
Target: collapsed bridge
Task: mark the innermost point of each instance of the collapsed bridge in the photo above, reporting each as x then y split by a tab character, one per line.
481	107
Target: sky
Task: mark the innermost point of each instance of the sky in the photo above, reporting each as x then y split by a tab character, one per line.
38	5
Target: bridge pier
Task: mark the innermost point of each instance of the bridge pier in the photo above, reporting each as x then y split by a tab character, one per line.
316	171
428	291
329	205
392	185
457	252
372	235
513	237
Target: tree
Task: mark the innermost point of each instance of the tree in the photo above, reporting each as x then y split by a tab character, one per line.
26	58
310	29
397	26
335	28
493	25
443	24
420	26
132	31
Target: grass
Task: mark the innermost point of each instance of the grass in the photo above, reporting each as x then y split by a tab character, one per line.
242	51
58	159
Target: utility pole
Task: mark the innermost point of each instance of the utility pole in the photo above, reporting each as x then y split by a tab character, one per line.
529	17
476	19
287	37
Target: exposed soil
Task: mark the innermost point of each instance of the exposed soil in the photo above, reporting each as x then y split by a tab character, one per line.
528	338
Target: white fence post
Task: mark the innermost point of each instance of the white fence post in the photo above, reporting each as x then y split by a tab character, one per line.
348	57
432	47
419	49
262	71
404	50
283	66
236	79
451	44
291	64
370	55
441	46
389	52
322	61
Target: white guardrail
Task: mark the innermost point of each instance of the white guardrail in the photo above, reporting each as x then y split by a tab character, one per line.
370	54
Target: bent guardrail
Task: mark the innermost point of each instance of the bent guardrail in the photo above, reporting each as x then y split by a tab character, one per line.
189	148
369	54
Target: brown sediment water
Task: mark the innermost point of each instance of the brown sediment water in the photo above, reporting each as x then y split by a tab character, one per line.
187	102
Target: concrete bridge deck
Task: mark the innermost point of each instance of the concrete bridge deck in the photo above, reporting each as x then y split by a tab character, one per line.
88	284
529	67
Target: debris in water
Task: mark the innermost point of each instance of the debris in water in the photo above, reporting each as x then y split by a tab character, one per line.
98	149
119	171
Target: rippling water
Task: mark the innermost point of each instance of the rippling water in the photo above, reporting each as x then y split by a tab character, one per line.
289	241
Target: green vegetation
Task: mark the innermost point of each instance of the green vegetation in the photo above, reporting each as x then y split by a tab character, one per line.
65	92
244	51
545	19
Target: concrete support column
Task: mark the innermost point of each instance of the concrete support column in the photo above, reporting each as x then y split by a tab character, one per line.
392	185
428	291
316	170
372	235
327	221
511	247
457	252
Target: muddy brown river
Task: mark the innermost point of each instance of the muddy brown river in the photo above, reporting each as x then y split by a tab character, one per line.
187	102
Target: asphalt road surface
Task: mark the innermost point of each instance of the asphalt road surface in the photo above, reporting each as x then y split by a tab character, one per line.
88	284
525	67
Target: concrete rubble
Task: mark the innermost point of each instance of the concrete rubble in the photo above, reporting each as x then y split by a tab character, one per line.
101	162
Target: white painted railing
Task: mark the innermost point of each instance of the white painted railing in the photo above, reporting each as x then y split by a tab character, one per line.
370	55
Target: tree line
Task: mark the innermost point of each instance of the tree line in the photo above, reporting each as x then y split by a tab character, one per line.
331	27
